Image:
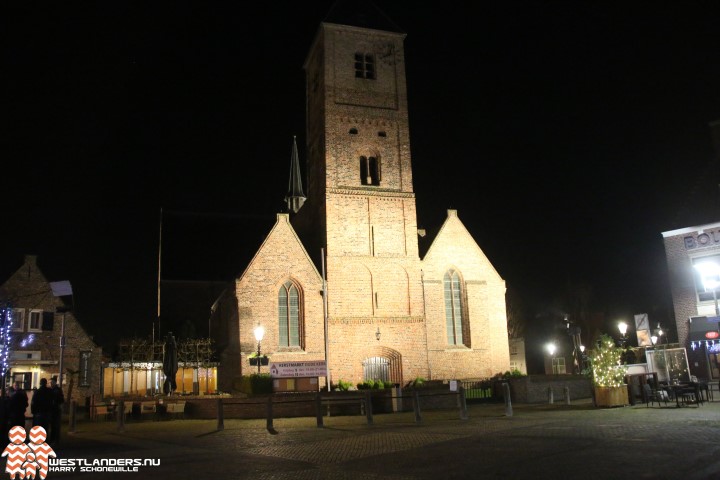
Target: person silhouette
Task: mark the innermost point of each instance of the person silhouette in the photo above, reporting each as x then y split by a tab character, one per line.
16	451
30	466
42	450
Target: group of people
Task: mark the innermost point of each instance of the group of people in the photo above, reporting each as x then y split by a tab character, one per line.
45	406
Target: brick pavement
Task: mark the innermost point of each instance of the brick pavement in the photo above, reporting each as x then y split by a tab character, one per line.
550	441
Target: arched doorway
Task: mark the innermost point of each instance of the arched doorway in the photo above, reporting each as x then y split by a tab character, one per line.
383	364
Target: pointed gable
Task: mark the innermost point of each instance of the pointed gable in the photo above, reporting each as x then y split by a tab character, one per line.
281	251
454	246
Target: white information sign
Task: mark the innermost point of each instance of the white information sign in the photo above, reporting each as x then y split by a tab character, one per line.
298	369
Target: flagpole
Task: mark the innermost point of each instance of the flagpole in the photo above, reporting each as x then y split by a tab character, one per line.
158	277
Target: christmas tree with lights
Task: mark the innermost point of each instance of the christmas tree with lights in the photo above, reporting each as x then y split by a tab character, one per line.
607	368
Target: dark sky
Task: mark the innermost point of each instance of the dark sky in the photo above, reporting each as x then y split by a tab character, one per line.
568	135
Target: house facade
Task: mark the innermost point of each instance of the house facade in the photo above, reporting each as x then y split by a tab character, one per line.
34	346
694	300
340	276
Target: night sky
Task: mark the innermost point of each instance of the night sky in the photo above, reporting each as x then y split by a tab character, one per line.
568	135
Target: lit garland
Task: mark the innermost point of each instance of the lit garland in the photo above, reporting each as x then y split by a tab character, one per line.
607	368
6	321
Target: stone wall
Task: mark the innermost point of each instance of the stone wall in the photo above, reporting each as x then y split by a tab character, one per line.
534	388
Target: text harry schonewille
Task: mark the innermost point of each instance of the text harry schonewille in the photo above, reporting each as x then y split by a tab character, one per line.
101	464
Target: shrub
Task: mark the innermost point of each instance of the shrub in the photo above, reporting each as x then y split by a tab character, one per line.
256	384
343	386
418	382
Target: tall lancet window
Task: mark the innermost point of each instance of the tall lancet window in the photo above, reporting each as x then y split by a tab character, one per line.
364	179
289	316
453	307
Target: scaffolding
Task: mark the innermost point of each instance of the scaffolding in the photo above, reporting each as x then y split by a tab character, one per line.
140	362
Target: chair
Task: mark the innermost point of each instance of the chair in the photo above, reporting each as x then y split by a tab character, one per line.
690	394
176	409
148	408
652	395
100	412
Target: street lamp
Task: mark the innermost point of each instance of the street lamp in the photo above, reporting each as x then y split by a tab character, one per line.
622	327
551	349
259	334
710	276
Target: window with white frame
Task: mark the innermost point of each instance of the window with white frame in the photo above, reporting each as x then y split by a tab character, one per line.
558	365
18	324
35	321
705	294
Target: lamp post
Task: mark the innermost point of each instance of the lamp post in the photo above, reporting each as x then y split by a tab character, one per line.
551	350
710	277
583	358
622	327
259	334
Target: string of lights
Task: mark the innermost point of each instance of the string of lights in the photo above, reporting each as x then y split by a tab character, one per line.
6	322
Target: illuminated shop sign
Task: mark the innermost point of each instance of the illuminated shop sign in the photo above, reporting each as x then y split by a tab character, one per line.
707	238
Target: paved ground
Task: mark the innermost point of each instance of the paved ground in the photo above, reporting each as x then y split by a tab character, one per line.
538	441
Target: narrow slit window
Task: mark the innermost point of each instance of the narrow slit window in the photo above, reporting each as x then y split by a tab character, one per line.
364	179
374	171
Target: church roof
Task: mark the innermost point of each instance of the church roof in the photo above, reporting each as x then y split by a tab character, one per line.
361	13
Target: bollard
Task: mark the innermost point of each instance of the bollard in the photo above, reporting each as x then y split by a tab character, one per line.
220	419
73	416
318	412
567	395
269	414
368	407
508	402
550	395
416	407
462	404
120	413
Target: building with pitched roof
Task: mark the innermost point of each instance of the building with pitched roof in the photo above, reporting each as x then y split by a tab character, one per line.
340	276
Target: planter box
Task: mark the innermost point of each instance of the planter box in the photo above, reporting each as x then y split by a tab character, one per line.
611	396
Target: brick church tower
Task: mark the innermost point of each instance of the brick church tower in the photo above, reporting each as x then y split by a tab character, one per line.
390	314
360	182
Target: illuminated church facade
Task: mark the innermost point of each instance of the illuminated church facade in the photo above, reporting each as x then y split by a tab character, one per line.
383	312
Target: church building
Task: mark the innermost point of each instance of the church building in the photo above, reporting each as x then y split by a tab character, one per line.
339	277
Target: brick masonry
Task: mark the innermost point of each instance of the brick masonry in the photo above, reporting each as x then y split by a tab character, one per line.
376	281
681	248
28	289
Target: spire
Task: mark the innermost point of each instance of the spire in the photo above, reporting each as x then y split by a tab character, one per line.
295	196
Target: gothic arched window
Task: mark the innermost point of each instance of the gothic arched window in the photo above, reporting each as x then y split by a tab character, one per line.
289	316
454	307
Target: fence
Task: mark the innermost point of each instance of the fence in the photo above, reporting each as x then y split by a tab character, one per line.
320	405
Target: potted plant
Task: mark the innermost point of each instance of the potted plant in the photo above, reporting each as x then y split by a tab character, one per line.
608	374
254	359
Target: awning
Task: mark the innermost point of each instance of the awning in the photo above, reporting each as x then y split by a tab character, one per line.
704	328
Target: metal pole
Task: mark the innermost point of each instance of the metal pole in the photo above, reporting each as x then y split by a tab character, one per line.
62	351
325	319
220	417
258	358
508	401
